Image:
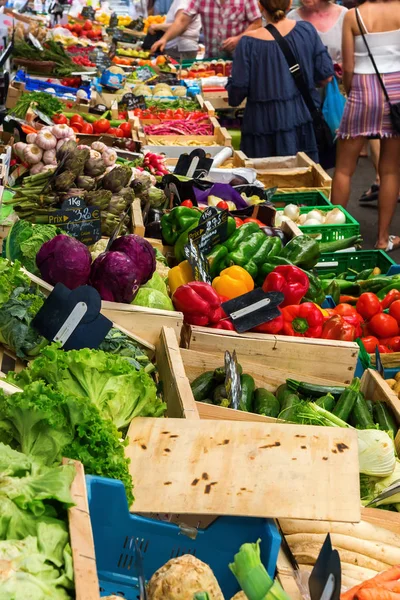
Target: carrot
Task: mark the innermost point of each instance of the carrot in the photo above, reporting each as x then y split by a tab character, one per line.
348	300
376	593
28	129
390	575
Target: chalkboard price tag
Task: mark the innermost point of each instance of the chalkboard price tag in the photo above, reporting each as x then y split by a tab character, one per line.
232	380
131	102
82	223
198	262
73	202
88	12
212	229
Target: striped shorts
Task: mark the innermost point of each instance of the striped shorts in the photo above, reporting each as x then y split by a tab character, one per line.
366	112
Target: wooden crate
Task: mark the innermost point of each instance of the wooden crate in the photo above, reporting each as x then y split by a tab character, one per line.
220	137
331	359
138	320
196	363
238	159
219	100
137	218
291	174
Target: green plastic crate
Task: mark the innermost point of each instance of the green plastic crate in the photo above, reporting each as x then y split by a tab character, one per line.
300	198
331	232
339	262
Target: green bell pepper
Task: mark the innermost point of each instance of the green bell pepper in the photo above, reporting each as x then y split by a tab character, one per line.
241	234
252	253
217	260
181	242
315	292
177	221
333	290
303	251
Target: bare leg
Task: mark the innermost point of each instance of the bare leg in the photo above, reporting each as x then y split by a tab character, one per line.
375	147
389	174
347	155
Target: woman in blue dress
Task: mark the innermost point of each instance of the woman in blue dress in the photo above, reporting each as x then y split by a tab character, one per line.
276	120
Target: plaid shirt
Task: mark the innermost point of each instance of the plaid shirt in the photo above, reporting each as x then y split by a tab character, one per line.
222	19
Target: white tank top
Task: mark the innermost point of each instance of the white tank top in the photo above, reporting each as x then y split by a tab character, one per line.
384	47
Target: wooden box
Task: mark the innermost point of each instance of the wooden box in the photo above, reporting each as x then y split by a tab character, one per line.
291	174
238	159
220	137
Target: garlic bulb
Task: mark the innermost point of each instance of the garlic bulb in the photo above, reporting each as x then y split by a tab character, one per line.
109	157
32	154
31	138
19	148
49	157
61	131
38	168
99	147
46	140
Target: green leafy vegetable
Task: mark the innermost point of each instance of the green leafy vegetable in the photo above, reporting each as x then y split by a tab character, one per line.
116	342
24	241
110	382
11	277
16	315
46	103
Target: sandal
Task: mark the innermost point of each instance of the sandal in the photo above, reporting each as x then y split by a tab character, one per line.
391	245
371	195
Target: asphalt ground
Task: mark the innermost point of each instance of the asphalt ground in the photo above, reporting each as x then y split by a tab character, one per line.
367	214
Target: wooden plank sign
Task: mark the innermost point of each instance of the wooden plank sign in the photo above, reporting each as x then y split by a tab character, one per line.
244	469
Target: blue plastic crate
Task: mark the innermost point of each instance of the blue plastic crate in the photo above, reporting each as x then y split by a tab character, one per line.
115	531
38	85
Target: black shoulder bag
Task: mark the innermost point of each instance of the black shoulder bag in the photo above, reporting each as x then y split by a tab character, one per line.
394	108
325	141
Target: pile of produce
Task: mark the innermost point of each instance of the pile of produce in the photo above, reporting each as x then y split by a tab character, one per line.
198	124
92	124
51	52
200	70
21	31
152	20
43	101
86	30
157	105
316	216
162	89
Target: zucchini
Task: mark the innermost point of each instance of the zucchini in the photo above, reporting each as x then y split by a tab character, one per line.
311	389
265	403
385	418
248	386
281	392
339	244
360	414
203	385
220	396
347	400
327	402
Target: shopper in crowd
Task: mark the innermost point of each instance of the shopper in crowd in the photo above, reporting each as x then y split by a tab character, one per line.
161	7
224	22
185	46
327	18
366	112
276	121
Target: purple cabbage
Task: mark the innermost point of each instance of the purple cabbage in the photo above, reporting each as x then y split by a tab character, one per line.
113	275
141	253
66	260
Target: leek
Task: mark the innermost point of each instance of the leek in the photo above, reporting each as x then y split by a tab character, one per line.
309	413
253	577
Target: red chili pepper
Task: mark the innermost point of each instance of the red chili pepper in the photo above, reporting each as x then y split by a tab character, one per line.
273	327
251	220
187	203
337	328
290	280
223	205
390	297
302	320
199	303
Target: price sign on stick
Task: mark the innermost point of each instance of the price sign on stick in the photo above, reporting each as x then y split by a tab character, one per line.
81	221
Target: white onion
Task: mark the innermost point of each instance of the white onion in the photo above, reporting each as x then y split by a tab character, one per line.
292	211
315	214
302	219
310	222
335	216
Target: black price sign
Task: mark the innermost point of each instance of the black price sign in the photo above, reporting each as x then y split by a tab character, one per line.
81	222
131	102
88	12
198	262
212	229
101	59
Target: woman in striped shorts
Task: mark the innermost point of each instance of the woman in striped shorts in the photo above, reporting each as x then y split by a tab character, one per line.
366	114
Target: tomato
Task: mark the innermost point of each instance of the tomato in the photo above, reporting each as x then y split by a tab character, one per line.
76	119
223	205
77	28
384	349
394	310
87	128
392	342
345	309
101	126
112	131
119	132
251	220
238	222
187	203
75	128
383	325
87	25
368	305
126	128
60	120
370	343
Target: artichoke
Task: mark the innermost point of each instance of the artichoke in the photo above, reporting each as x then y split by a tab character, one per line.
116	179
76	161
117	205
109	222
68	147
64	181
100	198
94	167
127	194
85	182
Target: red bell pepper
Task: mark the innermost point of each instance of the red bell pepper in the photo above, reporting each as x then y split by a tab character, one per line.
290	280
199	303
337	328
274	326
225	324
357	321
303	320
390	297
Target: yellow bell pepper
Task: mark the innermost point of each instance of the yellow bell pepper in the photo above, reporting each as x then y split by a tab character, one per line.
233	282
180	275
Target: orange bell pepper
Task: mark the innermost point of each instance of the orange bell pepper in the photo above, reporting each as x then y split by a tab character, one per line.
233	282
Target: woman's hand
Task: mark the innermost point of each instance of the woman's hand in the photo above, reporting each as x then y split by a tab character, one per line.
158	46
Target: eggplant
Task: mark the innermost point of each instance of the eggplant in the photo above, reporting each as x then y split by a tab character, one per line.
153	223
276	232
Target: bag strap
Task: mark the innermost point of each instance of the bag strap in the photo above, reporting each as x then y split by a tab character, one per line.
371	57
295	69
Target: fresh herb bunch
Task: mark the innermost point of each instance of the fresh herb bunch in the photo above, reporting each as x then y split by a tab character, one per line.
46	103
51	52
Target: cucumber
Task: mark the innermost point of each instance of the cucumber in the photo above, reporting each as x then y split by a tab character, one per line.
281	392
289	403
327	402
203	385
347	400
89	118
385	418
220	373
265	403
311	389
248	386
360	414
